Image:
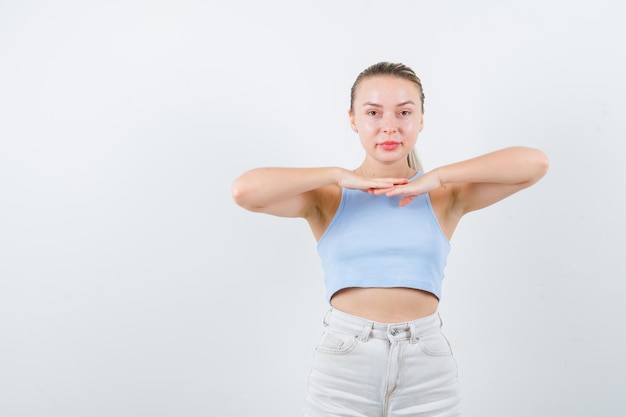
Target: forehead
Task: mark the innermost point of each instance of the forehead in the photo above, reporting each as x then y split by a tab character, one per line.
387	89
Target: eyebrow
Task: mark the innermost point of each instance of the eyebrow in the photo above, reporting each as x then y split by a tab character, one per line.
372	104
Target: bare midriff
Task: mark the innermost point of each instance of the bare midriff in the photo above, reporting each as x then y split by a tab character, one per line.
386	305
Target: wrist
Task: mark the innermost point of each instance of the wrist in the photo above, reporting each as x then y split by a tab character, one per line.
337	175
440	178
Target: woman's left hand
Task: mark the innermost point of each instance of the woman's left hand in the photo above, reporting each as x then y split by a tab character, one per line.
422	185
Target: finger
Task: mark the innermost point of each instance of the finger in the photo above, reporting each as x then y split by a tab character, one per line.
378	184
396	191
374	188
392	181
380	191
406	200
399	181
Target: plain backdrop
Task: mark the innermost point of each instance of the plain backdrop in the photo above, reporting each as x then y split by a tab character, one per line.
132	285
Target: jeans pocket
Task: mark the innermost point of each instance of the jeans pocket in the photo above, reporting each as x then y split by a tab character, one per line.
435	344
337	342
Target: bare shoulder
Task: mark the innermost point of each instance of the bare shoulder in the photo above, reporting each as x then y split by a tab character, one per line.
325	202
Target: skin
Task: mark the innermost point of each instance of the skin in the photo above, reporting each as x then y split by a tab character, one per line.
388	117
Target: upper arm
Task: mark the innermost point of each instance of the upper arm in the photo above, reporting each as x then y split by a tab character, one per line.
318	203
297	206
502	173
475	196
317	206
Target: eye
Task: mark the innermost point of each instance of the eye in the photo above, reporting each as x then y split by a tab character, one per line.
372	113
405	113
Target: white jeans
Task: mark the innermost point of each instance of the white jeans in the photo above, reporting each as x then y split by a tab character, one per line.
367	369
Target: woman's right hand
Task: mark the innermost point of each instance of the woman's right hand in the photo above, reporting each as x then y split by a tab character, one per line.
354	181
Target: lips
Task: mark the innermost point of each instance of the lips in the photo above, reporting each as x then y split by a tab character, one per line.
389	145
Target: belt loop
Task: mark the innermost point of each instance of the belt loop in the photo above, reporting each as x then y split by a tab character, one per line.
414	336
365	333
326	316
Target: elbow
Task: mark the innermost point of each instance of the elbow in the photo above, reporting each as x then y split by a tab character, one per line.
241	193
238	192
539	163
542	164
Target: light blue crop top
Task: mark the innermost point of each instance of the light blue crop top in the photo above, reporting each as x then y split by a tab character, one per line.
374	242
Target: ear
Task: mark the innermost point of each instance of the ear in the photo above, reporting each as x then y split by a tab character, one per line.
352	122
422	123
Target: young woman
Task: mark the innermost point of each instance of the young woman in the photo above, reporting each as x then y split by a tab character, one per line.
383	232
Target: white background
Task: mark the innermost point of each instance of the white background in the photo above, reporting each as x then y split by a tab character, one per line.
132	285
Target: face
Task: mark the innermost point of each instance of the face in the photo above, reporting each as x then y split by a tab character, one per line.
387	112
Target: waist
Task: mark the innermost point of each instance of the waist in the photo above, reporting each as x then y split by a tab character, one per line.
369	329
386	305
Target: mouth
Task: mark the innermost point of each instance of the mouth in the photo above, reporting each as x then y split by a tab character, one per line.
389	145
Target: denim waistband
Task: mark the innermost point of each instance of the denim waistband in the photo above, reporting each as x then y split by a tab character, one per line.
365	329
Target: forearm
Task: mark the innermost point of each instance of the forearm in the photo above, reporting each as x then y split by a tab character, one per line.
516	165
264	186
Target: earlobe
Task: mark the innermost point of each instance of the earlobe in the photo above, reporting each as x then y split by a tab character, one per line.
352	122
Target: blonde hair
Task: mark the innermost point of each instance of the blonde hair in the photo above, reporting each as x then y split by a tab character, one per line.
393	70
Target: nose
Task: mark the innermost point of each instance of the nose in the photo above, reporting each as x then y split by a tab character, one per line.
389	124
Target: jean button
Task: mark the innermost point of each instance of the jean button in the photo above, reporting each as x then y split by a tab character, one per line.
394	332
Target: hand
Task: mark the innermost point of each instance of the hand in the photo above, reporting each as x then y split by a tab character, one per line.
354	181
422	185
